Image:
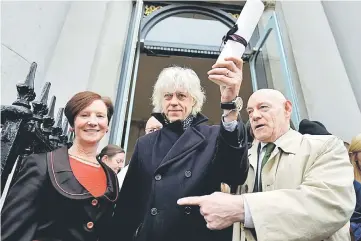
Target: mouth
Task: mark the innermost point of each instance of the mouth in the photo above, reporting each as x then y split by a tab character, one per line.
174	111
91	131
259	126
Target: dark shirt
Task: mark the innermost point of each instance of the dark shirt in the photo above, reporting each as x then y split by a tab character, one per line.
356	216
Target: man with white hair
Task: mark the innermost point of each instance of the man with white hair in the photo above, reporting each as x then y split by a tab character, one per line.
185	157
151	126
302	184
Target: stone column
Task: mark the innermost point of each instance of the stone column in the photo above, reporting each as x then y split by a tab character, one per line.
328	95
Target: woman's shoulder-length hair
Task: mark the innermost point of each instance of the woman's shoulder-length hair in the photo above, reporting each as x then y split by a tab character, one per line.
83	99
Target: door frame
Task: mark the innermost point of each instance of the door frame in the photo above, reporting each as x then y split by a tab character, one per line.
273	25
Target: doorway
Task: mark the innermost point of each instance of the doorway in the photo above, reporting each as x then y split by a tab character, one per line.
148	71
174	34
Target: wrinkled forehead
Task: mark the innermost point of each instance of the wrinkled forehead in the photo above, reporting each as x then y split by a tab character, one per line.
258	98
175	88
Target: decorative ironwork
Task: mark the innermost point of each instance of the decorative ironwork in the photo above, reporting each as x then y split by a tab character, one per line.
148	9
26	90
234	15
25	131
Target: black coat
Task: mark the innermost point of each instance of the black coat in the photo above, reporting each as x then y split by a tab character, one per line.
170	164
46	202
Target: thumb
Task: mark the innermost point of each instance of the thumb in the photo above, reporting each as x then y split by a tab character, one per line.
196	200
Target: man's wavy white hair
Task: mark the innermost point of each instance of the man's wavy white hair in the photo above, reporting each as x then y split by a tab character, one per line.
174	79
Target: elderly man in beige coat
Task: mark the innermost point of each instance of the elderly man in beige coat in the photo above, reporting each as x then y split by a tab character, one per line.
299	187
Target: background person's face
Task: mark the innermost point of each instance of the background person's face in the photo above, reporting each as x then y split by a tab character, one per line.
177	105
115	162
91	123
152	125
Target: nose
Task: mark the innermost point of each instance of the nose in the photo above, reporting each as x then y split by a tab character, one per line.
174	100
92	121
256	115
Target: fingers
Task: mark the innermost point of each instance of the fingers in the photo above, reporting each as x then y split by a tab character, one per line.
197	200
231	63
222	80
202	212
228	72
238	62
219	71
224	65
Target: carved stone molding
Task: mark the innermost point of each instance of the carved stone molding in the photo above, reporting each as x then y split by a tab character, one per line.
148	9
269	4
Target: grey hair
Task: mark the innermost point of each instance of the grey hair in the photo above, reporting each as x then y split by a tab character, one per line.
174	78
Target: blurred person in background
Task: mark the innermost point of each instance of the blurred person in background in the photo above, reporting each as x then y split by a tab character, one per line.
355	158
113	156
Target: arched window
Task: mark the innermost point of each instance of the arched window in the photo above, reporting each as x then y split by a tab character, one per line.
163	30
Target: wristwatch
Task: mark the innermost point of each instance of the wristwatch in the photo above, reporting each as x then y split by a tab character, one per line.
235	104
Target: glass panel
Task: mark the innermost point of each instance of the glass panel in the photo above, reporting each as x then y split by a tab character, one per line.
201	31
269	57
269	66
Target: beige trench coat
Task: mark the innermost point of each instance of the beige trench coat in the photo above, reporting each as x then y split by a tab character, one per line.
308	191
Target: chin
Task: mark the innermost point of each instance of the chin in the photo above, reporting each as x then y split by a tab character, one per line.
261	138
174	118
91	141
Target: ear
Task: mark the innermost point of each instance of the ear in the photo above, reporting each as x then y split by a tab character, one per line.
104	158
288	108
194	102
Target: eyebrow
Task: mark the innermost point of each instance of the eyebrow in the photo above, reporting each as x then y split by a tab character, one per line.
262	103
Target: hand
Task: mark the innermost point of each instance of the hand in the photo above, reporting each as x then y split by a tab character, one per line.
220	210
228	75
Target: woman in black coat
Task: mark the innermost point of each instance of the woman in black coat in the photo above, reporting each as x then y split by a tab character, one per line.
184	158
65	195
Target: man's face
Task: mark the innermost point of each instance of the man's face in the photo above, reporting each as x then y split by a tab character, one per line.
152	125
269	116
177	105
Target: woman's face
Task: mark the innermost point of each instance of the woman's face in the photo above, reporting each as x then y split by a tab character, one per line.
177	105
358	156
91	123
115	162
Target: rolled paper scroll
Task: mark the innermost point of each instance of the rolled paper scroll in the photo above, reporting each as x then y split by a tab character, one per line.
246	24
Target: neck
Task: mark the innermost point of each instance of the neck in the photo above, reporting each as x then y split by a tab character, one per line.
87	151
283	131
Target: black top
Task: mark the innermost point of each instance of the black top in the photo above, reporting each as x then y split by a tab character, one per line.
46	202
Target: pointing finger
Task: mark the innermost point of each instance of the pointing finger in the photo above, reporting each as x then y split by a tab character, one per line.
190	200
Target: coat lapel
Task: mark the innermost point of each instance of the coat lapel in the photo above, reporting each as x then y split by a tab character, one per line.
284	144
66	183
253	155
284	148
62	176
187	142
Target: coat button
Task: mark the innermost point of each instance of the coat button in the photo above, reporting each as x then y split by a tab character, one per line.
158	177
90	225
94	202
188	173
154	211
187	210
